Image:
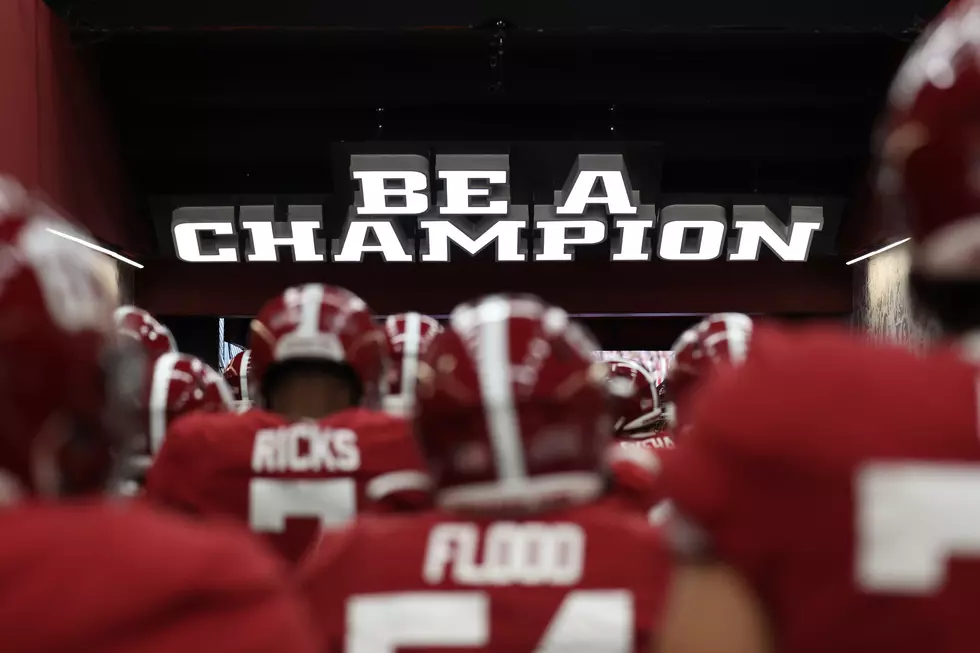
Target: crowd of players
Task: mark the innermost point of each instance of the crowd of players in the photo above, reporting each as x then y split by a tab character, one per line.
486	485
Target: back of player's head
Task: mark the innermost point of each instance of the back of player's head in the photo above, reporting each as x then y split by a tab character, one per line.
511	407
927	183
317	330
144	329
718	340
67	389
409	334
636	401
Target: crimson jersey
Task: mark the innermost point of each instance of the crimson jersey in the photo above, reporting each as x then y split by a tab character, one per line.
118	578
287	479
842	479
588	578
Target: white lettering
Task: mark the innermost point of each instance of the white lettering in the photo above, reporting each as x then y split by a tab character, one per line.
757	224
190	222
579	195
557	244
686	233
353	246
273	501
677	221
505	234
301	226
459	192
586	620
513	553
305	447
656	442
632	244
376	192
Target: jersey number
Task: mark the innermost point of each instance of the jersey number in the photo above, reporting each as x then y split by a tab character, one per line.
271	501
912	517
384	623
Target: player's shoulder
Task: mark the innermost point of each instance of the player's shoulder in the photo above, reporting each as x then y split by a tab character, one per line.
136	538
139	579
838	362
102	548
824	394
365	422
607	515
205	427
212	421
801	376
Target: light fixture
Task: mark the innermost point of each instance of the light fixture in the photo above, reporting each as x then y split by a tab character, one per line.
878	251
97	248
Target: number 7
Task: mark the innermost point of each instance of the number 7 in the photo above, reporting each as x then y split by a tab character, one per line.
911	518
272	501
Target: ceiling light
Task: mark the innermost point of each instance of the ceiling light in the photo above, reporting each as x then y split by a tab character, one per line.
878	251
97	248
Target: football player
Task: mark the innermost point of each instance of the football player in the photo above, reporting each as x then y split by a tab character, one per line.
828	495
640	418
79	573
178	384
635	458
316	449
409	335
236	376
141	327
719	340
524	552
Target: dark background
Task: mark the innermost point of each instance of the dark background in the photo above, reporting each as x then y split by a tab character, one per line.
227	98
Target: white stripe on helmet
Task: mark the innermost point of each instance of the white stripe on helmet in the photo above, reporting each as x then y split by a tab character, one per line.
497	391
163	370
410	353
243	375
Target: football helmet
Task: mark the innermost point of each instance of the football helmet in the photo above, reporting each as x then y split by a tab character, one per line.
719	339
236	375
511	409
409	335
178	384
322	323
69	392
927	146
635	398
135	323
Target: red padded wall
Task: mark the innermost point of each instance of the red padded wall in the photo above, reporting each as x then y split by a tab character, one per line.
53	128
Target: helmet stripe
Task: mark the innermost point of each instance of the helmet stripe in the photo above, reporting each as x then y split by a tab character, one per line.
311	305
410	354
496	388
163	370
243	375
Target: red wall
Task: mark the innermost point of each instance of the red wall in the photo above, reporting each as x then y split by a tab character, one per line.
53	129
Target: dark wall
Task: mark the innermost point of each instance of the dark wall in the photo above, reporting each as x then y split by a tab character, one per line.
546	14
197	336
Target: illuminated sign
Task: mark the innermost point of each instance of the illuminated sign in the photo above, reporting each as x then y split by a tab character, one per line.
473	212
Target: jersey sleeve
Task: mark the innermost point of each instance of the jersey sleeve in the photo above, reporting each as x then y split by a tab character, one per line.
170	479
